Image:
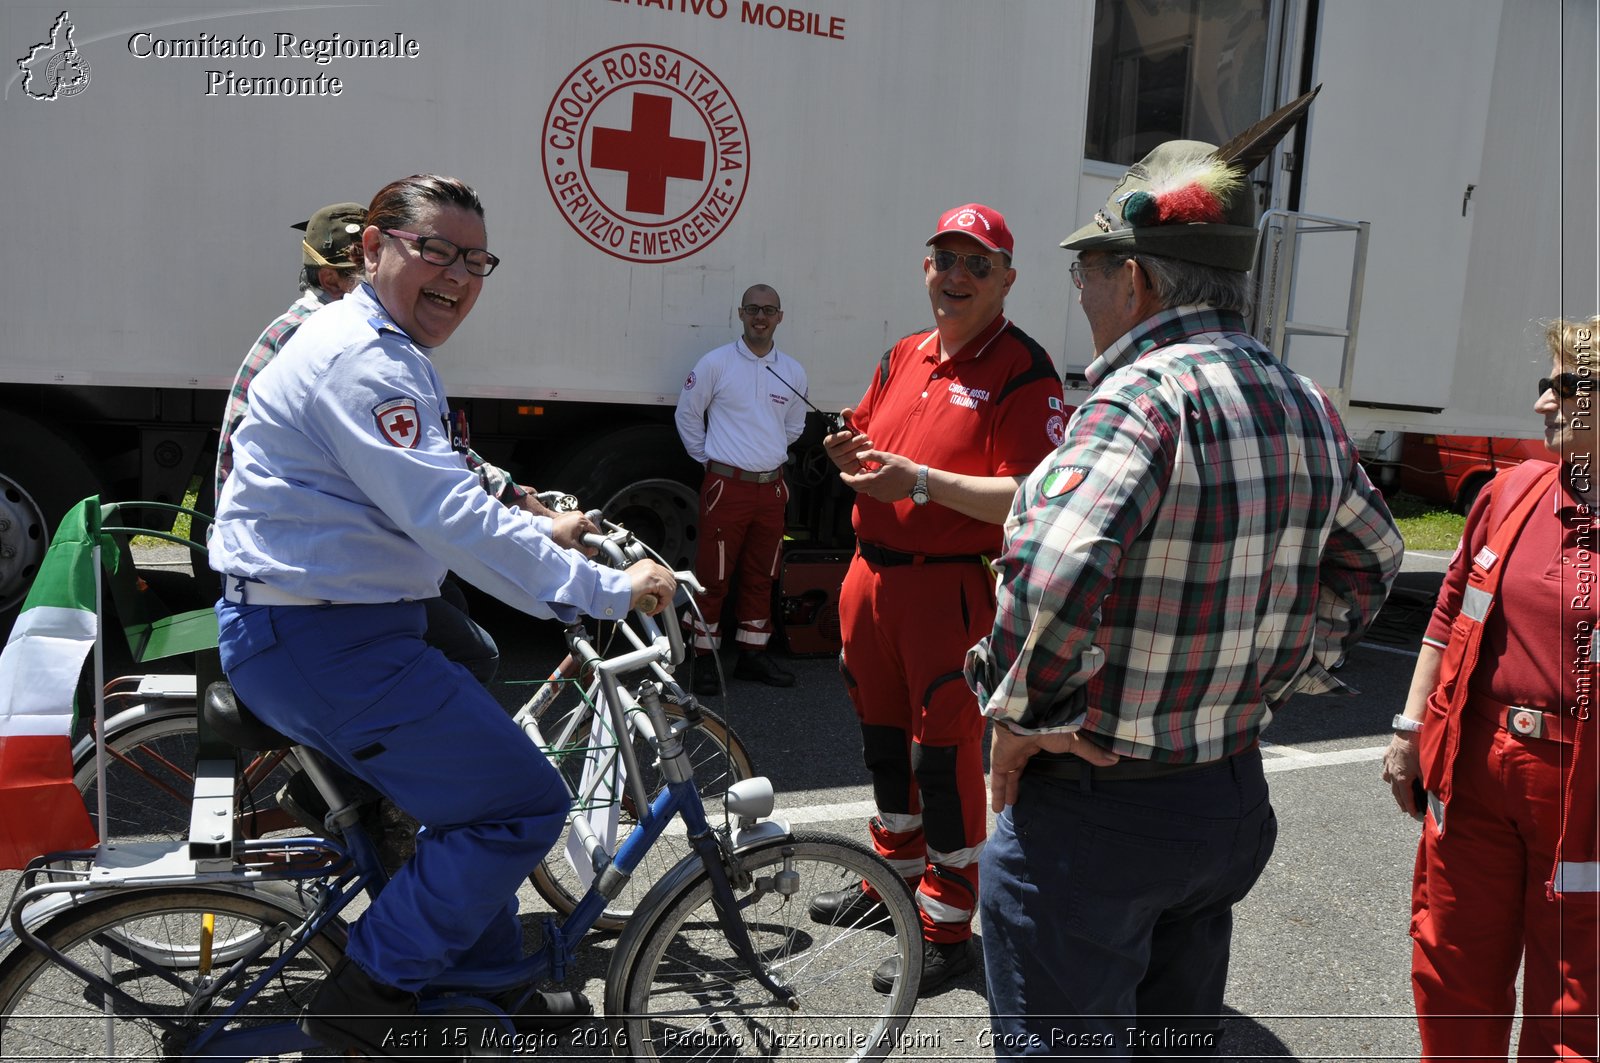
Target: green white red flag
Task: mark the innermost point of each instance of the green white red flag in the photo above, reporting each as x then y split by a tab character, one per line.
41	809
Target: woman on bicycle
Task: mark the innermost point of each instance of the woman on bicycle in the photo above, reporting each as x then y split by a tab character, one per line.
349	500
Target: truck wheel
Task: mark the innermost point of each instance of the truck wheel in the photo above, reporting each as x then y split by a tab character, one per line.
1469	492
640	478
45	476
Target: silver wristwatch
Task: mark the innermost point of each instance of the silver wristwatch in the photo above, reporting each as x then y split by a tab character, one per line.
1403	724
919	491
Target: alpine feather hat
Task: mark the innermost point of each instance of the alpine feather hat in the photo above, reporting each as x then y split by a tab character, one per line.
1191	201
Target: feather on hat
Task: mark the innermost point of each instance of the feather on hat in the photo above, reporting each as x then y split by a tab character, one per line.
1192	201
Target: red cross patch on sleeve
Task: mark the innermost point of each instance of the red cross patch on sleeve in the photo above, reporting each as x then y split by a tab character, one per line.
398	422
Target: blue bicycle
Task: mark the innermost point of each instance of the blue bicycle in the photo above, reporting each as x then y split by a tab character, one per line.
160	950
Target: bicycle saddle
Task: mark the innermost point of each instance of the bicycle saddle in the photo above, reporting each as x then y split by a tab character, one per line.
232	721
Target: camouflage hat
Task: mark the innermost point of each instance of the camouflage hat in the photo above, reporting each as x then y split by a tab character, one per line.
329	234
1191	201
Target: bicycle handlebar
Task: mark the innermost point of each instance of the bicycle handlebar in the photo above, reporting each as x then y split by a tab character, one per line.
619	549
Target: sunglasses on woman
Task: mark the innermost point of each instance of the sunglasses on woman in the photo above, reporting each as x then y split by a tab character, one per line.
1566	385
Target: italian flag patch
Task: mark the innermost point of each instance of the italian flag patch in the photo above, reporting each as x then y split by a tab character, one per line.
1060	480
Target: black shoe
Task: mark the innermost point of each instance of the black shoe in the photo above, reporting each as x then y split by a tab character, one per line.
763	669
850	907
352	1012
940	964
545	1010
706	684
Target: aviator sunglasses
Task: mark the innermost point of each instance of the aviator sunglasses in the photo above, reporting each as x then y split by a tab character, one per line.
1566	385
977	265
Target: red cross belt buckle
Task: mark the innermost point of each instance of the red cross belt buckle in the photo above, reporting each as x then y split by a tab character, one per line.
1526	723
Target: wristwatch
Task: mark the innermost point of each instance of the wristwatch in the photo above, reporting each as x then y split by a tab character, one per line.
1403	724
919	491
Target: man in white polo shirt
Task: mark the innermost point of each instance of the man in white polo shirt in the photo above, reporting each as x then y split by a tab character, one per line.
740	409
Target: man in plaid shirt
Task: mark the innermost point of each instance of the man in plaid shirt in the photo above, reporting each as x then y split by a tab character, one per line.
1203	546
328	273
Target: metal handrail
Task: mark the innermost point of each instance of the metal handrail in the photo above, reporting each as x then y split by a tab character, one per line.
1277	256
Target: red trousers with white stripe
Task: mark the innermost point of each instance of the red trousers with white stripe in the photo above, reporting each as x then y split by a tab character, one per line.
1480	909
741	530
906	631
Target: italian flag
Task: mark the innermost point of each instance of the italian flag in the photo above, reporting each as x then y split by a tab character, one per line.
40	808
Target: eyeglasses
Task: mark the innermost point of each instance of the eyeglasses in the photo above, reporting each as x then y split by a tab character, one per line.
1077	268
977	265
1566	385
437	251
757	310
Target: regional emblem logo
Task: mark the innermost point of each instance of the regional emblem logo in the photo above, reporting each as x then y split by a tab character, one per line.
646	153
55	69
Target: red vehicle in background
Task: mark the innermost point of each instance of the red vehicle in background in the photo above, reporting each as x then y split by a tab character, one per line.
1451	470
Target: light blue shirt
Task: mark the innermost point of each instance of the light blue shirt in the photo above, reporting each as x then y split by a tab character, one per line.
345	486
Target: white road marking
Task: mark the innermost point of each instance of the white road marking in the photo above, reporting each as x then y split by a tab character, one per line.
1287	758
1277	758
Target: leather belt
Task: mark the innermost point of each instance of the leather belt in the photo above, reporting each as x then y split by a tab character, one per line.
733	473
1069	768
1525	721
244	591
884	557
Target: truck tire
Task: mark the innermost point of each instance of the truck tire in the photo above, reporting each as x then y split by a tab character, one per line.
1470	490
640	478
45	475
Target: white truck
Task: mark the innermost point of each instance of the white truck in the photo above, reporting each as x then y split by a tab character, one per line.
644	161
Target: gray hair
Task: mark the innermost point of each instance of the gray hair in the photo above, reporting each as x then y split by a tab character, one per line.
1179	283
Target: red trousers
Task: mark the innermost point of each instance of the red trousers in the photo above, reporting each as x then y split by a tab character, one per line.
906	632
1479	909
741	530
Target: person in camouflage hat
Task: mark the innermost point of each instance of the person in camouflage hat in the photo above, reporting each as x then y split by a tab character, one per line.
1202	546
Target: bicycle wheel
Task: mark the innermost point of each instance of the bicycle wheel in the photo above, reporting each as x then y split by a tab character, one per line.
150	777
48	1012
719	760
676	988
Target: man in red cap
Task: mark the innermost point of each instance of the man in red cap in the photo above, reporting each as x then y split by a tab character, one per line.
954	418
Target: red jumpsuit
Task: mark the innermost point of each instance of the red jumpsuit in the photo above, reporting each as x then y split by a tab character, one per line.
919	593
1507	869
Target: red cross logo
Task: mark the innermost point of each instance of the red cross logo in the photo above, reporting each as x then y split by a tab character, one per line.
645	153
648	153
397	422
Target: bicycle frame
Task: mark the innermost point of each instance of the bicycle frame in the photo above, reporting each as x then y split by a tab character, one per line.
338	873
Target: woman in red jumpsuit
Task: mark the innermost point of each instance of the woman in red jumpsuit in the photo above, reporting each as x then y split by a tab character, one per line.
1497	753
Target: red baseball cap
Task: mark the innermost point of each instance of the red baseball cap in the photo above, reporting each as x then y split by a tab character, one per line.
984	224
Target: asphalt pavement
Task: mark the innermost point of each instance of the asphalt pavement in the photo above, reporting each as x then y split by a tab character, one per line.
1321	954
1321	957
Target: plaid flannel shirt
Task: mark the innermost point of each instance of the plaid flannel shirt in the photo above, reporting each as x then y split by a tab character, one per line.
266	349
1202	546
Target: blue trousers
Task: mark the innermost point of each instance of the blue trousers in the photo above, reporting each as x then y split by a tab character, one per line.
1108	910
453	632
359	684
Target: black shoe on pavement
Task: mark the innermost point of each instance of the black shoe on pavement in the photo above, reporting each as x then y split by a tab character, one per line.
763	669
353	1012
706	684
850	907
940	964
546	1009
